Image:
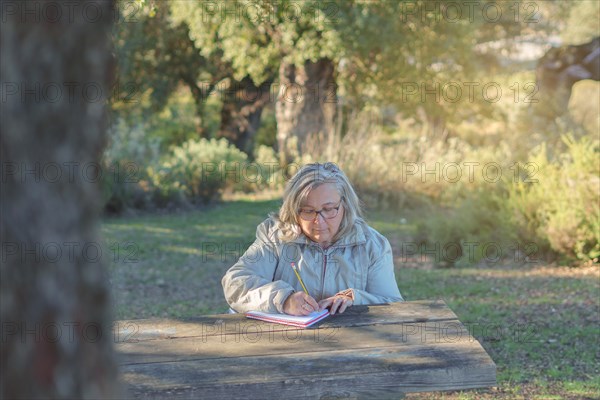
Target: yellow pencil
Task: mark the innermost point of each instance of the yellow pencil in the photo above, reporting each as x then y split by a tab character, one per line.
299	278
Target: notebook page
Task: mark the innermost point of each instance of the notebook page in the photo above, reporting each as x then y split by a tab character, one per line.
301	320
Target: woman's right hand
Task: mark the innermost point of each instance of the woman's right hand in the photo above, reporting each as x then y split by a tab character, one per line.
299	303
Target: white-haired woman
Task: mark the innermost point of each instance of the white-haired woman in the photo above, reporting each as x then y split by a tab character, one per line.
341	260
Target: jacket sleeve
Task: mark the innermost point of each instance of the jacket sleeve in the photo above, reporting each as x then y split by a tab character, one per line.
248	285
381	281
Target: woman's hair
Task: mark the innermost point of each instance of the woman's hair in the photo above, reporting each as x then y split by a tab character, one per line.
296	192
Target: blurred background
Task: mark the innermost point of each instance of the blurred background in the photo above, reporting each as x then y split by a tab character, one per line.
473	122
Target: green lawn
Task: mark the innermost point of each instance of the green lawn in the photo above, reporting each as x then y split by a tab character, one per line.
540	324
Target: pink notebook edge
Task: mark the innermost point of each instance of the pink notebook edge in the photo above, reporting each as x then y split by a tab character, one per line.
289	323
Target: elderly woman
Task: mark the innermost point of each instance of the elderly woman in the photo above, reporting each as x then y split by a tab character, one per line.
340	259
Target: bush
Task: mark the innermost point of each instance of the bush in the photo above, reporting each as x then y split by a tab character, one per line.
475	227
271	174
562	207
198	169
267	132
551	207
179	122
123	167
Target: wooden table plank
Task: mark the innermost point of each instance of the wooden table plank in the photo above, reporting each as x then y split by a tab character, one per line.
258	341
390	369
406	312
380	351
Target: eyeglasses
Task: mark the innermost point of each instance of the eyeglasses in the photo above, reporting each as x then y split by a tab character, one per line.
325	212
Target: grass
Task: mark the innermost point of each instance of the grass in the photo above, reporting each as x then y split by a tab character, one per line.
539	323
171	265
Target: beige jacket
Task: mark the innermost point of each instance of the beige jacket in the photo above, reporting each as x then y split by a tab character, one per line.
263	278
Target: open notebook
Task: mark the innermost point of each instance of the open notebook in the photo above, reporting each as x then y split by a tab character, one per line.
285	319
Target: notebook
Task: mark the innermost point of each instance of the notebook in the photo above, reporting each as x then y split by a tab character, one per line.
293	320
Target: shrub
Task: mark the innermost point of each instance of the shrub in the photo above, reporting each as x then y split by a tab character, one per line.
200	169
267	132
123	167
550	206
562	206
272	176
475	227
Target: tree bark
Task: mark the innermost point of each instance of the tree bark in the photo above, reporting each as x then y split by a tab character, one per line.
56	321
306	105
243	103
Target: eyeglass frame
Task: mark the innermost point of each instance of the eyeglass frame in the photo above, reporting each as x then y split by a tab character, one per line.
337	211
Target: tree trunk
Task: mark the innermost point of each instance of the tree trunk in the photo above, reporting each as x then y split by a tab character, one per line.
55	309
243	103
199	97
306	105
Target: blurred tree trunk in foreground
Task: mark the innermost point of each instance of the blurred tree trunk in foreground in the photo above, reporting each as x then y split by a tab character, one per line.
306	105
56	322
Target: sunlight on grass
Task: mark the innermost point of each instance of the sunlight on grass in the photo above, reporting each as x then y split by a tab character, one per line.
583	388
181	249
157	230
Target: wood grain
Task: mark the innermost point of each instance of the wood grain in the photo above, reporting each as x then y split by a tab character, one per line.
256	340
219	324
371	352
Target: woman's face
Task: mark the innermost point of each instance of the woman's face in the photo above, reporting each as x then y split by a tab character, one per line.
324	198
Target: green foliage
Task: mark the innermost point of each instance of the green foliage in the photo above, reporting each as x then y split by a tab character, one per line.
266	134
200	169
128	152
152	56
380	51
475	228
377	47
272	176
177	122
256	36
583	23
561	206
537	205
541	205
155	58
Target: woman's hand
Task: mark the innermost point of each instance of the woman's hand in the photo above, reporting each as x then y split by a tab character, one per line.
337	303
300	303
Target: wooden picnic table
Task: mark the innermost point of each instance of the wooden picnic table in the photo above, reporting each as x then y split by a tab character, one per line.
377	351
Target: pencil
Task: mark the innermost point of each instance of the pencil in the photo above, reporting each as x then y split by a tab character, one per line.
299	278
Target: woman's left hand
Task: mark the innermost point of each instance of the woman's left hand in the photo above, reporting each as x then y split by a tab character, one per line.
337	303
